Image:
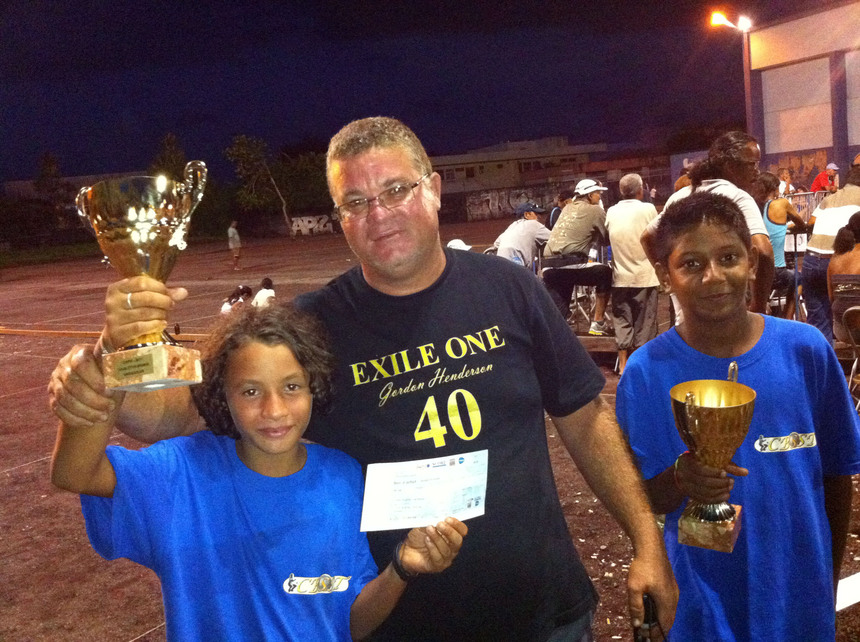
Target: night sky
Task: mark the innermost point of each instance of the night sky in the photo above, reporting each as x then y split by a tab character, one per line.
98	84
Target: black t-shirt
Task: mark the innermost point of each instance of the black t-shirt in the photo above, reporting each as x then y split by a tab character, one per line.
468	364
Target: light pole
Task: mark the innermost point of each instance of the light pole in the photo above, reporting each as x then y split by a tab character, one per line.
744	25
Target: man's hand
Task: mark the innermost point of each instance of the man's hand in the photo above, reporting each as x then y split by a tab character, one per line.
433	549
76	391
136	307
651	573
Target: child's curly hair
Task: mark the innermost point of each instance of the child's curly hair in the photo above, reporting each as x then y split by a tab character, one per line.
279	324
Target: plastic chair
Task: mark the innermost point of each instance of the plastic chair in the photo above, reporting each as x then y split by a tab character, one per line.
851	323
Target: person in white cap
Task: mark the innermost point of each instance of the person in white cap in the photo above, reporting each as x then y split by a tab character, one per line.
582	224
826	180
459	244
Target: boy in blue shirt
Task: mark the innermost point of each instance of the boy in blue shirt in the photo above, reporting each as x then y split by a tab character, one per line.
792	473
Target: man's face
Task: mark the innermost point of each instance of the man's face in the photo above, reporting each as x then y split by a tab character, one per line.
831	173
395	246
744	170
594	198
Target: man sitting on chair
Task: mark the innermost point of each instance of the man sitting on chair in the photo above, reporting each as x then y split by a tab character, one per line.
518	243
580	226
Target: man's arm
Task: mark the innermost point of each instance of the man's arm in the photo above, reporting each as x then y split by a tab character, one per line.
79	462
837	506
597	446
763	283
76	389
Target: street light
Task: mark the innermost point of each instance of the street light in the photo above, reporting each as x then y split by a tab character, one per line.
718	18
744	25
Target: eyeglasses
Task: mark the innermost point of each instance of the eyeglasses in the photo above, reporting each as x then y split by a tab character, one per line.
394	196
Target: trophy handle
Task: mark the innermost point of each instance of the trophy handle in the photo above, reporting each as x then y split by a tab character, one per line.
81	205
195	179
733	372
691	426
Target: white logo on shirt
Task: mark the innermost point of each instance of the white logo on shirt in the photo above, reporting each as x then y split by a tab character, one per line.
313	585
784	444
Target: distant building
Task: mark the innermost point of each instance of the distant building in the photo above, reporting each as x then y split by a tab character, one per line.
491	181
803	89
25	190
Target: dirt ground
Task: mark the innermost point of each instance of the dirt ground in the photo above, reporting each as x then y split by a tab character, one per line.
54	587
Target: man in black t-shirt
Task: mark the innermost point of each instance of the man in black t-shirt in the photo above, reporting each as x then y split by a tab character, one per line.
440	353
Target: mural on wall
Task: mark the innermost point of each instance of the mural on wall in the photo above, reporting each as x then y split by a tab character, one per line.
804	167
502	203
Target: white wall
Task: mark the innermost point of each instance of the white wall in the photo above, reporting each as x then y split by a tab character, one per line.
815	35
797	113
852	79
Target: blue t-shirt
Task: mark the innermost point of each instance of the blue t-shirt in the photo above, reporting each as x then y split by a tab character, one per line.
240	556
777	583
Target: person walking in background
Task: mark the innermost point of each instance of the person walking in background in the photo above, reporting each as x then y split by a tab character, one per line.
234	243
634	282
265	295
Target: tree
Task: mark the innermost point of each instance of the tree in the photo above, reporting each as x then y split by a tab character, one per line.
305	176
56	193
170	160
262	183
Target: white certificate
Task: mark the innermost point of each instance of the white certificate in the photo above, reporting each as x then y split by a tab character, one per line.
423	492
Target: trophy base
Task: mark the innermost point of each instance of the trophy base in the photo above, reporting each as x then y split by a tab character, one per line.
152	367
716	536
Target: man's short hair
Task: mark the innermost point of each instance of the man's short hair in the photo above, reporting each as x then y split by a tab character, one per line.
362	135
688	213
853	177
629	185
565	194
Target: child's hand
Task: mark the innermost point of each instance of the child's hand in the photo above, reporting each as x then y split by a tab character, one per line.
433	548
705	484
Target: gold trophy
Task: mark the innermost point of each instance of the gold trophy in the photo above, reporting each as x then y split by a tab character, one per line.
141	224
713	418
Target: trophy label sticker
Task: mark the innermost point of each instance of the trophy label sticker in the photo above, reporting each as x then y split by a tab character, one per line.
785	443
135	366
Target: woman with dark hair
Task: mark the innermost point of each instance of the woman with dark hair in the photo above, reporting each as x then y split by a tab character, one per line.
843	274
777	213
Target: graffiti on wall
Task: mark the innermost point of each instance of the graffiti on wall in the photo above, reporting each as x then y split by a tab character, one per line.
309	225
502	203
